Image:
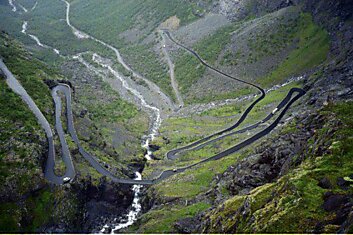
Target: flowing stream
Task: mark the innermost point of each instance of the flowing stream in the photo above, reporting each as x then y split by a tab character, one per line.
34	6
36	39
128	219
14	9
23	8
156	117
156	120
131	216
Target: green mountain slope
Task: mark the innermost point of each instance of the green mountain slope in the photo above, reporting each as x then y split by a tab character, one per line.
297	179
29	203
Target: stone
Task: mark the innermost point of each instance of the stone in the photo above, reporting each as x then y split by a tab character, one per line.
334	202
325	183
154	147
343	184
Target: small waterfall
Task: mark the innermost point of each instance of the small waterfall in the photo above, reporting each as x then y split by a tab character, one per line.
128	219
14	9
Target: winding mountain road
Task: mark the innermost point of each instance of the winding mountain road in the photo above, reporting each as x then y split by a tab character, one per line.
70	171
171	71
65	89
49	173
172	154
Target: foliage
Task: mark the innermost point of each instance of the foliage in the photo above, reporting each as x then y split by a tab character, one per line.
148	63
162	221
311	51
275	207
119	16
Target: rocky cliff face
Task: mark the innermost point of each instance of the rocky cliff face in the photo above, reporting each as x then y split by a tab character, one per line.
90	205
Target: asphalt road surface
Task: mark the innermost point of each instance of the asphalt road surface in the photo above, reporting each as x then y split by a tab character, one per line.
293	95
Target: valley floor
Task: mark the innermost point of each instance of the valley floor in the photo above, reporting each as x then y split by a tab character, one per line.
144	79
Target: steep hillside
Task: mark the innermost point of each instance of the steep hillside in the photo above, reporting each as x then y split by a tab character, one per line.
146	79
303	170
132	27
28	202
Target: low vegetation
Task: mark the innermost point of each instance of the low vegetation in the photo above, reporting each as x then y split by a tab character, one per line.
161	221
143	16
147	62
311	51
275	207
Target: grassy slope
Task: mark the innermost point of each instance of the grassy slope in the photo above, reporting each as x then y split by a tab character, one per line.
142	16
276	207
159	221
195	182
119	16
108	112
22	140
23	143
188	69
184	130
46	22
311	51
147	62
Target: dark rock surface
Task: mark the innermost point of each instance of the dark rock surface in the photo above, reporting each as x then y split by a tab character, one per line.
325	183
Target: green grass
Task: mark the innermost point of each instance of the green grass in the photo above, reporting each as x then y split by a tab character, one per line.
194	181
224	111
198	180
114	111
162	221
21	134
147	62
10	111
8	218
187	71
311	51
109	113
210	47
30	72
312	46
220	96
185	130
119	16
23	143
45	22
39	207
43	206
275	207
21	139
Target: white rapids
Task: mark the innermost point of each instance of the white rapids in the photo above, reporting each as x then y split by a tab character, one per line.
23	8
157	122
14	9
96	58
36	39
156	116
34	6
131	216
